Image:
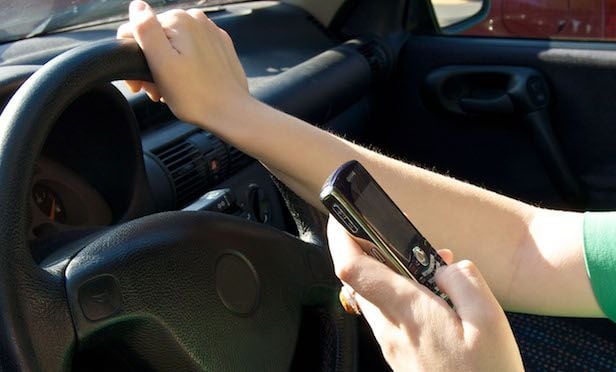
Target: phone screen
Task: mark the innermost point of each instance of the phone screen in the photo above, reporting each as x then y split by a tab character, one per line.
391	225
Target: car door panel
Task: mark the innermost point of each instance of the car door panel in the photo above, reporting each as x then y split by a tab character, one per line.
498	152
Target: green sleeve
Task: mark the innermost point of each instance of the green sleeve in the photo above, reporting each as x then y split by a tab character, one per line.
600	257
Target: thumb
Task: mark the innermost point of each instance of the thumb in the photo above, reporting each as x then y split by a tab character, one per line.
148	31
469	292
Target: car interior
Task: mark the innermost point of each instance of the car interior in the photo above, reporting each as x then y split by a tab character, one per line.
130	240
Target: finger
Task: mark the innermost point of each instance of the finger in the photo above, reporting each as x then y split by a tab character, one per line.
150	88
153	96
152	91
340	244
230	52
469	292
368	277
148	32
446	255
134	85
125	31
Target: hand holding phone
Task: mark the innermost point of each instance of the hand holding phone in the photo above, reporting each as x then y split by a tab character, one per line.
415	330
357	201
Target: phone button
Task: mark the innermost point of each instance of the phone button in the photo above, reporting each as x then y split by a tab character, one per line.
420	255
345	219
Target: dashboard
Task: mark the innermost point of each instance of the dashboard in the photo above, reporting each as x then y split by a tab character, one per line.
114	156
61	200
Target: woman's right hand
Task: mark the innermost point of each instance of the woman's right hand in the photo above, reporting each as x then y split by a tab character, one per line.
417	330
193	62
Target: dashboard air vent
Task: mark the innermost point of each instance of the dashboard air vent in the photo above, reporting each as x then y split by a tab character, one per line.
188	169
237	160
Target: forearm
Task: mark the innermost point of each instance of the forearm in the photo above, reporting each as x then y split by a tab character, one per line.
492	230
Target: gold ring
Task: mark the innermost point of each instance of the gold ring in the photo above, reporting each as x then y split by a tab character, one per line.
348	301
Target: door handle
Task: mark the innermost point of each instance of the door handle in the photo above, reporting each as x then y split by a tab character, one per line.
519	92
492	90
500	104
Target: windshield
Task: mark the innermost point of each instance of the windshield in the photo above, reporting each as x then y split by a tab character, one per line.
26	18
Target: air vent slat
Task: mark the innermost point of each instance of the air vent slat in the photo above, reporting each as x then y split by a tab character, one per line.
179	161
185	164
172	150
187	167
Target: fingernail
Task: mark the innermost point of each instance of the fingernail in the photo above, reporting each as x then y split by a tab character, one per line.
137	6
348	301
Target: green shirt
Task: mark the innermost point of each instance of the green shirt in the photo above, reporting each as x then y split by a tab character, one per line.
600	257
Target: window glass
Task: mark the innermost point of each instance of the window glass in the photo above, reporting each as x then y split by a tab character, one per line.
449	12
28	18
546	19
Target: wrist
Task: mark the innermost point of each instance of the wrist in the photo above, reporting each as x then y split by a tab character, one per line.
226	115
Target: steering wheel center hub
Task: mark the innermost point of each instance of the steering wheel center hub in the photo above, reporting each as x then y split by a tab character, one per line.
237	283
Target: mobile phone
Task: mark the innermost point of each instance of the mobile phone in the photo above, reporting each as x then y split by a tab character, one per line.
357	201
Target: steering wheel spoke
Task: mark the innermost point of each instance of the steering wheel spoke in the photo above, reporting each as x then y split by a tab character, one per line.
219	290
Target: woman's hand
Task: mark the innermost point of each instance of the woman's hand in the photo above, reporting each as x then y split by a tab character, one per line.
195	67
416	329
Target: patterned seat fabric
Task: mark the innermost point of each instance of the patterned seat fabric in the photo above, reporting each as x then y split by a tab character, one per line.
555	344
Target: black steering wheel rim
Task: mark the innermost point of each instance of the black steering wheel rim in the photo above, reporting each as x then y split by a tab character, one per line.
22	135
33	301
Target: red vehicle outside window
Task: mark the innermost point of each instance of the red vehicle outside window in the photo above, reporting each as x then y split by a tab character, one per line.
566	19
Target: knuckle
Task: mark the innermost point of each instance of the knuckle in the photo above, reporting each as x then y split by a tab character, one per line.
144	26
389	349
177	13
176	17
195	13
224	33
347	271
467	268
226	37
489	317
463	270
210	24
343	272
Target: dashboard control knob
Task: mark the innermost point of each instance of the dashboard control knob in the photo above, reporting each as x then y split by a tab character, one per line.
258	204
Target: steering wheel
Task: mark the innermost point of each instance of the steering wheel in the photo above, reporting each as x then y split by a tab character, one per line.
173	291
